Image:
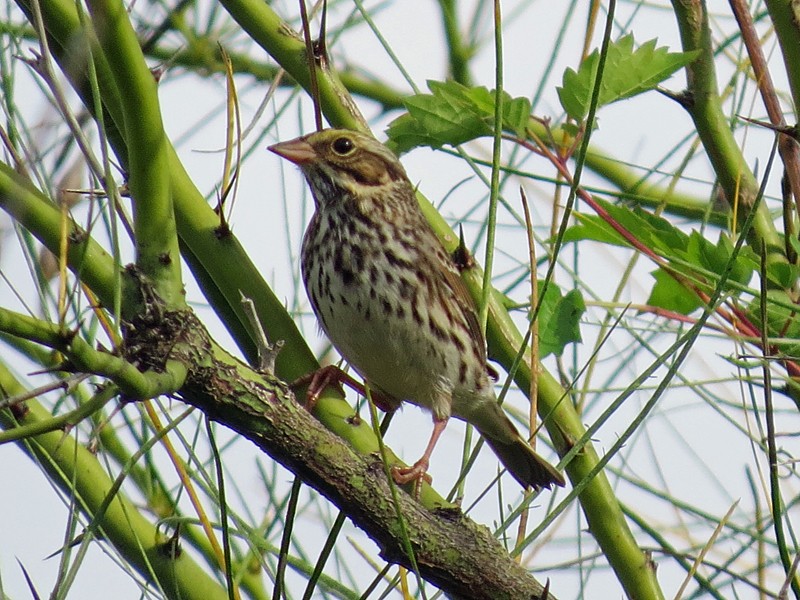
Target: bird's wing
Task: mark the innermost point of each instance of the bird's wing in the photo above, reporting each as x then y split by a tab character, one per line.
452	282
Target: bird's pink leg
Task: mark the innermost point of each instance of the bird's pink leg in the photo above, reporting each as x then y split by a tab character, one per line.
333	375
419	470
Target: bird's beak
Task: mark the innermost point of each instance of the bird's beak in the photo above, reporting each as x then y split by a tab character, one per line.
298	151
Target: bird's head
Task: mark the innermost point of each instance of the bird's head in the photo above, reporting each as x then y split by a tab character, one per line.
339	163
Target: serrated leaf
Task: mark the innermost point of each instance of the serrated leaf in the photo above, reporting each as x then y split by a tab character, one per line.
627	72
743	267
783	275
651	230
559	319
453	114
592	227
447	119
406	133
782	321
668	294
516	114
662	235
715	257
794	243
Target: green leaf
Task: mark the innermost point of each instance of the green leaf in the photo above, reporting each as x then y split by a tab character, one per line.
794	243
453	114
406	133
783	275
714	258
746	261
627	72
559	319
698	258
668	294
592	227
782	321
651	230
516	114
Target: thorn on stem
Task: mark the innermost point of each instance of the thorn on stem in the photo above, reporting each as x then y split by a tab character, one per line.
462	256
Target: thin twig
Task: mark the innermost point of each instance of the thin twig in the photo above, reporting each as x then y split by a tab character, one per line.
776	501
534	366
267	353
312	65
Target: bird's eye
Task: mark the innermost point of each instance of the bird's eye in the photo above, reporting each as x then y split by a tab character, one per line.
343	146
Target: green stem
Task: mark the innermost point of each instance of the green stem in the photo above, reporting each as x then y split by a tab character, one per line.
33	211
267	29
148	178
458	54
78	472
777	504
83	357
494	190
713	127
61	422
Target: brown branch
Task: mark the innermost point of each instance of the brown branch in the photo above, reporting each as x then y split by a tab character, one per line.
787	146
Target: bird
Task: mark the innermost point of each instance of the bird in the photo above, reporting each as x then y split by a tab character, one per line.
391	300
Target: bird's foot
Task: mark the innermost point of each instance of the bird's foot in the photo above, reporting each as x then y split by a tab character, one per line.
331	375
417	472
317	381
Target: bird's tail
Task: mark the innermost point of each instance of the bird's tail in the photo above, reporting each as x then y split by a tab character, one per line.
524	464
527	467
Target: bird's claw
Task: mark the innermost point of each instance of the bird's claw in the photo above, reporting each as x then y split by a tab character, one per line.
328	375
418	472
